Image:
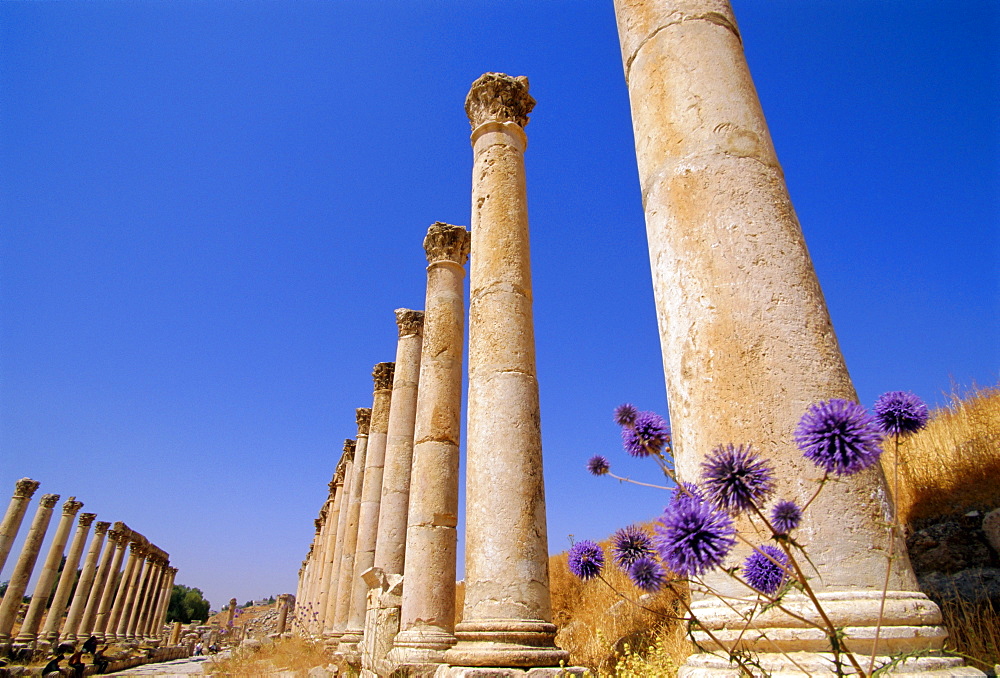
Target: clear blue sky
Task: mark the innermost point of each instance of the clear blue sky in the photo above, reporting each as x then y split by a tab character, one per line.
209	210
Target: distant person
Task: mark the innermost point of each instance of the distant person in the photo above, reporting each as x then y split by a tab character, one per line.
90	645
76	663
198	649
53	666
100	661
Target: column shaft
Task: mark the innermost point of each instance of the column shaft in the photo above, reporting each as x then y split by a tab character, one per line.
85	586
50	632
129	574
328	591
96	616
338	552
25	564
346	584
11	523
427	618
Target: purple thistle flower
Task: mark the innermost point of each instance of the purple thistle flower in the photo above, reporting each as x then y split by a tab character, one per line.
736	479
785	516
586	559
647	574
625	414
762	573
598	465
900	413
839	436
693	536
629	544
647	434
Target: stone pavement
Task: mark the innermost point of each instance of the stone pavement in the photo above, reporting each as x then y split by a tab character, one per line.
192	666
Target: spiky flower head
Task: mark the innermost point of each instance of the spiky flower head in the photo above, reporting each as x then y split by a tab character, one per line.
736	479
625	414
586	559
629	544
647	434
839	436
598	465
693	536
647	574
900	413
785	516
766	574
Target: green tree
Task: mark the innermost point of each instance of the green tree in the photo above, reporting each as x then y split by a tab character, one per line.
187	604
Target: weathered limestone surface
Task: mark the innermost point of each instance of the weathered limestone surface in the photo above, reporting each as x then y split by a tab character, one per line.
24	489
97	615
345	586
371	496
85	586
118	615
427	617
381	621
747	340
50	632
25	564
338	553
334	502
507	616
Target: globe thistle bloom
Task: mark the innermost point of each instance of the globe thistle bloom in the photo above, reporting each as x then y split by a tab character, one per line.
647	434
900	413
736	479
839	436
586	559
763	573
785	516
647	574
598	465
693	536
629	544
625	414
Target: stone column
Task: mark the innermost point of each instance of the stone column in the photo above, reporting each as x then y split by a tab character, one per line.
23	491
161	614
231	613
747	340
25	564
338	552
345	585
282	614
390	545
50	632
371	496
427	618
130	614
327	591
316	568
175	634
84	586
126	589
507	617
150	596
96	615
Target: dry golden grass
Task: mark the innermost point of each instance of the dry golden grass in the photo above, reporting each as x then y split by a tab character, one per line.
973	631
284	654
952	466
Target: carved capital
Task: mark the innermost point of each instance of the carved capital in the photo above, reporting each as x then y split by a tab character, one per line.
138	549
101	527
48	500
71	506
409	322
499	97
86	519
364	419
25	488
445	242
382	375
318	522
349	447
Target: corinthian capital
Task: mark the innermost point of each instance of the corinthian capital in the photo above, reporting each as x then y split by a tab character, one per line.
86	519
48	500
101	527
349	446
382	374
499	97
72	506
445	242
363	415
25	488
409	322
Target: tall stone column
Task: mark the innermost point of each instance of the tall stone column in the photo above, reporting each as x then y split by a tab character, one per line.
316	567
161	613
149	596
23	491
507	617
130	613
390	545
427	618
371	496
345	586
336	499
747	340
231	613
126	589
50	632
84	586
98	611
25	564
338	552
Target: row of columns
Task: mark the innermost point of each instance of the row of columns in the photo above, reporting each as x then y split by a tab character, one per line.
132	606
379	579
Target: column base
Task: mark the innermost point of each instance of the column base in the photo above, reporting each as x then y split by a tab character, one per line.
349	645
421	645
504	672
514	643
706	665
